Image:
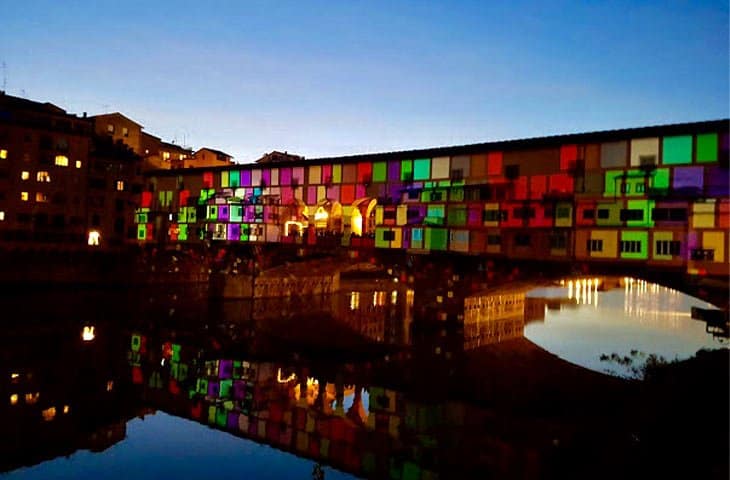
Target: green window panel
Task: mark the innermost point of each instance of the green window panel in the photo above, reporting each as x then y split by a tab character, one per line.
380	171
236	214
456	195
141	232
212	212
182	216
445	183
638	242
435	215
422	169
205	194
141	217
612	183
644	205
677	150
660	179
634	183
380	241
183	234
165	197
406	170
234	179
707	148
336	173
436	238
192	214
245	232
457	216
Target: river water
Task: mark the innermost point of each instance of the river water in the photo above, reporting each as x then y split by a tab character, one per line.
377	382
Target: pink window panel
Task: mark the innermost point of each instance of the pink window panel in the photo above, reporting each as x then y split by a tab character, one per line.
568	156
494	163
360	191
285	176
311	195
298	175
333	193
327	174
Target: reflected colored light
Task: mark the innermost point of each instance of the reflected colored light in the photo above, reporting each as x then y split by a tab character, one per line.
87	334
109	385
354	300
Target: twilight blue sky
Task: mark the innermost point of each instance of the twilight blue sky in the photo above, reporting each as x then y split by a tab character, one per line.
341	77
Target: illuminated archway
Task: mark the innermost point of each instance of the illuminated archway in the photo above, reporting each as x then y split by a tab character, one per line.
362	219
328	215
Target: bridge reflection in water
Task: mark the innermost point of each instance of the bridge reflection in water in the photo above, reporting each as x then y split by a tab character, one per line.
471	398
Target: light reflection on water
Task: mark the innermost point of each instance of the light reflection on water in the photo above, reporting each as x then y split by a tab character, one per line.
631	315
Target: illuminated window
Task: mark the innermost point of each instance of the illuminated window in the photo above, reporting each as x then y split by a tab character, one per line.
120	186
2	216
182	157
78	163
49	414
166	155
61	160
14	399
41	197
24	196
94	237
3	153
24	175
43	176
31	398
110	128
125	132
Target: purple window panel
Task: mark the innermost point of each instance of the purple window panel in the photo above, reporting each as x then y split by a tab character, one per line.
311	196
239	389
285	176
248	213
333	192
360	191
724	145
692	242
394	171
717	182
234	231
245	178
225	370
223	212
213	389
266	177
687	177
475	216
394	191
232	421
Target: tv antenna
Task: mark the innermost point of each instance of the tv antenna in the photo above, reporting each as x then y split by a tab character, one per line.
4	66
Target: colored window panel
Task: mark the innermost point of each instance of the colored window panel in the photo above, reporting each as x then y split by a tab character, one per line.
660	179
538	186
347	194
382	237
182	233
326	174
644	151
494	163
608	243
568	156
208	180
645	206
311	196
315	174
297	175
146	200
613	154
519	188
141	232
224	179
321	192
236	213
703	215
183	197
212	212
613	180
707	148
333	193
436	238
687	178
714	241
380	171
422	169
284	176
459	240
364	172
266	177
717	182
457	216
223	211
274	176
255	178
677	150
440	167
336	173
478	166
460	167
634	245
393	171
456	195
234	231
406	170
561	182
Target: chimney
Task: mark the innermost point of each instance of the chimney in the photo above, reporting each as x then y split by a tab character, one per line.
84	114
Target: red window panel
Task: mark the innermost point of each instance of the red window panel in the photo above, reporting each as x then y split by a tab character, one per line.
519	188
494	163
511	220
541	219
538	186
146	200
183	199
347	194
568	156
561	182
150	232
326	174
208	180
364	172
585	213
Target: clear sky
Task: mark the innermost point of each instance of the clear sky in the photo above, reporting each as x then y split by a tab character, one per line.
342	77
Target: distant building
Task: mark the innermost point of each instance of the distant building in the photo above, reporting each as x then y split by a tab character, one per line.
208	157
279	157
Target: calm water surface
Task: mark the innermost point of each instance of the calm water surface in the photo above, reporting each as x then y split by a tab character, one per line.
366	384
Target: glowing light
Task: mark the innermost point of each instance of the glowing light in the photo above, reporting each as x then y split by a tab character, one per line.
109	385
66	409
43	176
94	237
14	376
320	218
78	163
24	175
120	186
394	297
14	399
87	334
3	153
2	215
354	300
288	379
49	414
288	225
24	196
61	160
31	398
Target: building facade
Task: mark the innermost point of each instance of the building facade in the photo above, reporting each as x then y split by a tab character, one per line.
654	195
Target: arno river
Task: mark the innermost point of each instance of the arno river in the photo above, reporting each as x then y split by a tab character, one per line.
583	377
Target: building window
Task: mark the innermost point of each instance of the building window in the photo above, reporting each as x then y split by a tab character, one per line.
125	132
522	240
388	235
3	154
494	215
589	214
494	240
624	187
41	197
78	163
2	216
702	254
629	214
630	246
437	196
24	196
109	128
640	187
647	159
558	241
43	176
120	186
594	245
24	175
166	155
61	160
667	247
563	212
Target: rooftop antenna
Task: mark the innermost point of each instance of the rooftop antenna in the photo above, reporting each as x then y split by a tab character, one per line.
5	76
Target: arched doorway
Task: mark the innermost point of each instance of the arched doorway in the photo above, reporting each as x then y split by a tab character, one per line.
362	220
